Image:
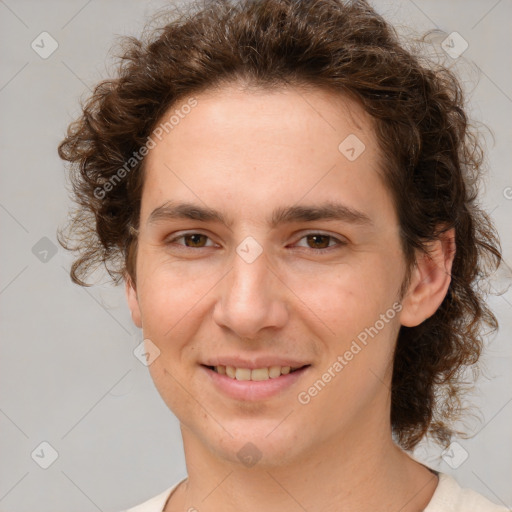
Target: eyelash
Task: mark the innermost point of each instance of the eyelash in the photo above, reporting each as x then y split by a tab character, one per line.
339	244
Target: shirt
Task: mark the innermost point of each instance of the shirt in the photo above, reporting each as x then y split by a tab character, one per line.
449	496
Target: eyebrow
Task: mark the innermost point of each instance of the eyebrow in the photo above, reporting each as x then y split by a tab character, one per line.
282	215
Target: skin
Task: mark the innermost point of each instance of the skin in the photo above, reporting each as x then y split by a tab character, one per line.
246	153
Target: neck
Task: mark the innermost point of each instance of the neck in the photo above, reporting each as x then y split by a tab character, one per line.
356	471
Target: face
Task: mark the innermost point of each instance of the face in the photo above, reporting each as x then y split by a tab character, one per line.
267	238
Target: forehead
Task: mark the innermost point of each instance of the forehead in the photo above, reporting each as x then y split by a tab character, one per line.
236	147
261	113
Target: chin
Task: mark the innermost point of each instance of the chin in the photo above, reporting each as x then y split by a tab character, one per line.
264	444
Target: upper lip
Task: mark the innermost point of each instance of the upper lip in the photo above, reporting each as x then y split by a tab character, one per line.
256	362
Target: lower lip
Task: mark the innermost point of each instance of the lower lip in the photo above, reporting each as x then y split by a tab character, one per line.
253	389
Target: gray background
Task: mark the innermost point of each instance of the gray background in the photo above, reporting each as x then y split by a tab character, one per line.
68	375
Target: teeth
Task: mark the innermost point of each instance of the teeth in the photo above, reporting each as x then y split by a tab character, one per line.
274	371
257	374
242	374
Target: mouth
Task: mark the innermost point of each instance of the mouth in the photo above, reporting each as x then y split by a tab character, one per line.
257	374
244	384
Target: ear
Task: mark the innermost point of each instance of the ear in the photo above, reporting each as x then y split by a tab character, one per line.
430	280
133	301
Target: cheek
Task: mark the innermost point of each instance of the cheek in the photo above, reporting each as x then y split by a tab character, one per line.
346	298
170	292
357	308
173	388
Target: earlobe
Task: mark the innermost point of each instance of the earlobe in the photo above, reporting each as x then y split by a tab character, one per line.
133	301
430	281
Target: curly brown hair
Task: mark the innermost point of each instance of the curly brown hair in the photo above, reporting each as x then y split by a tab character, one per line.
432	163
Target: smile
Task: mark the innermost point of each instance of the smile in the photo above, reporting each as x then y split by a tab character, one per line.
240	383
257	374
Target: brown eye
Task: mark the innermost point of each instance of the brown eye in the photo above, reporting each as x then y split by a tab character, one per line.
191	241
196	240
318	241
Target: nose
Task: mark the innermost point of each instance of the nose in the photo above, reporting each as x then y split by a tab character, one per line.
251	298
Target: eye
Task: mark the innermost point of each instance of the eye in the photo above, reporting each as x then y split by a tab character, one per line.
320	241
314	241
191	240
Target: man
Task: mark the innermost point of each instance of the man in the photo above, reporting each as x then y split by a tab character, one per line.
285	191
